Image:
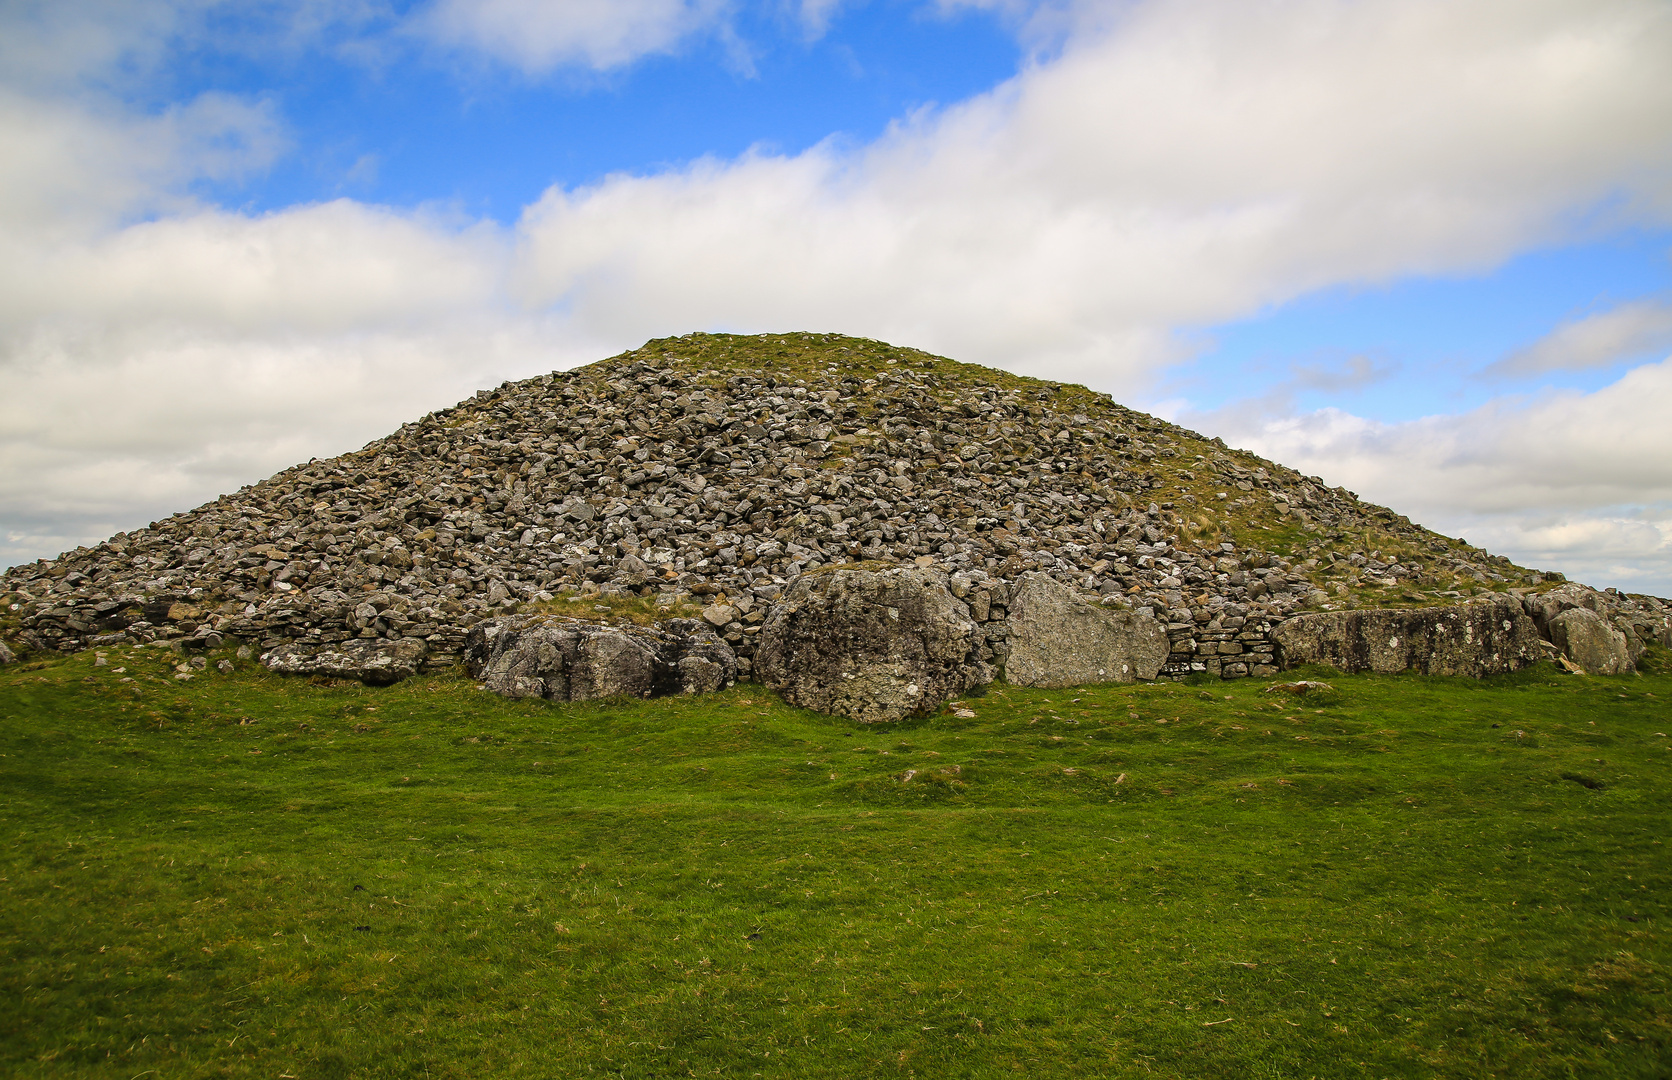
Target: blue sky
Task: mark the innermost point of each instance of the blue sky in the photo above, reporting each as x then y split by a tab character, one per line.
1423	344
1420	248
490	139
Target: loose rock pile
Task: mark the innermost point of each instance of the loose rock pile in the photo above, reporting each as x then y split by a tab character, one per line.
717	471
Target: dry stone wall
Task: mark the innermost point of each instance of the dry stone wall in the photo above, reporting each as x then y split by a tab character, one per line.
718	470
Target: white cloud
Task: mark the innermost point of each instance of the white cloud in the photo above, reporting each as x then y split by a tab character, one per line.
1197	162
326	268
539	35
816	15
59	43
1601	340
1174	164
1578	482
70	168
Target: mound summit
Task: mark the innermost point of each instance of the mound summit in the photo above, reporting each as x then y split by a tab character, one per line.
713	471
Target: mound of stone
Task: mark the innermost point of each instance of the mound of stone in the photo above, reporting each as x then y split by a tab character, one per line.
1484	638
562	659
872	645
718	469
373	661
1059	638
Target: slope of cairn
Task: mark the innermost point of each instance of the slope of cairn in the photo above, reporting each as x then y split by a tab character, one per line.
707	472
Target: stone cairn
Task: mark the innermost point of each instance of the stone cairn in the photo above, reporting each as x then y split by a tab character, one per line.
713	471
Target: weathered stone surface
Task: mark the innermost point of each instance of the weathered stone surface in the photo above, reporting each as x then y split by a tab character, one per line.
1059	638
1544	607
6	655
1641	621
374	661
559	659
1465	639
1584	638
871	645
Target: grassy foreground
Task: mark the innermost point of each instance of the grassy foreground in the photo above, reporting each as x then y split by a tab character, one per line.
239	875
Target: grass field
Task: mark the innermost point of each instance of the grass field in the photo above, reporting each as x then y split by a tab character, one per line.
238	875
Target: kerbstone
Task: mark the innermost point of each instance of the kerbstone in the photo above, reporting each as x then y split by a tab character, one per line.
373	661
1473	639
1058	638
870	645
562	659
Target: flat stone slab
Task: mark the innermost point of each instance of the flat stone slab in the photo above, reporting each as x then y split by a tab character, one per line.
1474	639
374	661
1059	638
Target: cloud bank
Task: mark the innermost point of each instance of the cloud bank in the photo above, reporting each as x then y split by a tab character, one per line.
1158	167
1599	340
538	36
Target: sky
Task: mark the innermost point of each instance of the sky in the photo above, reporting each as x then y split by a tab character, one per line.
1419	248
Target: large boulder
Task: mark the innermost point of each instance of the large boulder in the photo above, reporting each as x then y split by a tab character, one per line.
6	655
1474	639
1059	638
1544	607
374	661
1642	621
871	645
1584	638
562	659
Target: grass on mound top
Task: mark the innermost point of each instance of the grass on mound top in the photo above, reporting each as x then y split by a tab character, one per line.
239	875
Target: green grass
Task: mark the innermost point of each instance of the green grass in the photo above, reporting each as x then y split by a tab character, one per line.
1408	877
615	610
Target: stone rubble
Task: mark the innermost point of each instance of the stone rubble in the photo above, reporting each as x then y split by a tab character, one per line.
718	470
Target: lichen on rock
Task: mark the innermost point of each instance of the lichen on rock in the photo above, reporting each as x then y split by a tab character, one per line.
1484	638
1059	638
562	659
871	645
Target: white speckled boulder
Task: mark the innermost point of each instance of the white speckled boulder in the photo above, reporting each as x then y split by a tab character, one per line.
374	661
870	645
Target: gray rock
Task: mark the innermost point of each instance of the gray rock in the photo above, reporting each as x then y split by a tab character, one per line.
374	661
561	659
1473	639
1544	607
870	645
720	614
1058	638
699	674
1584	638
6	655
